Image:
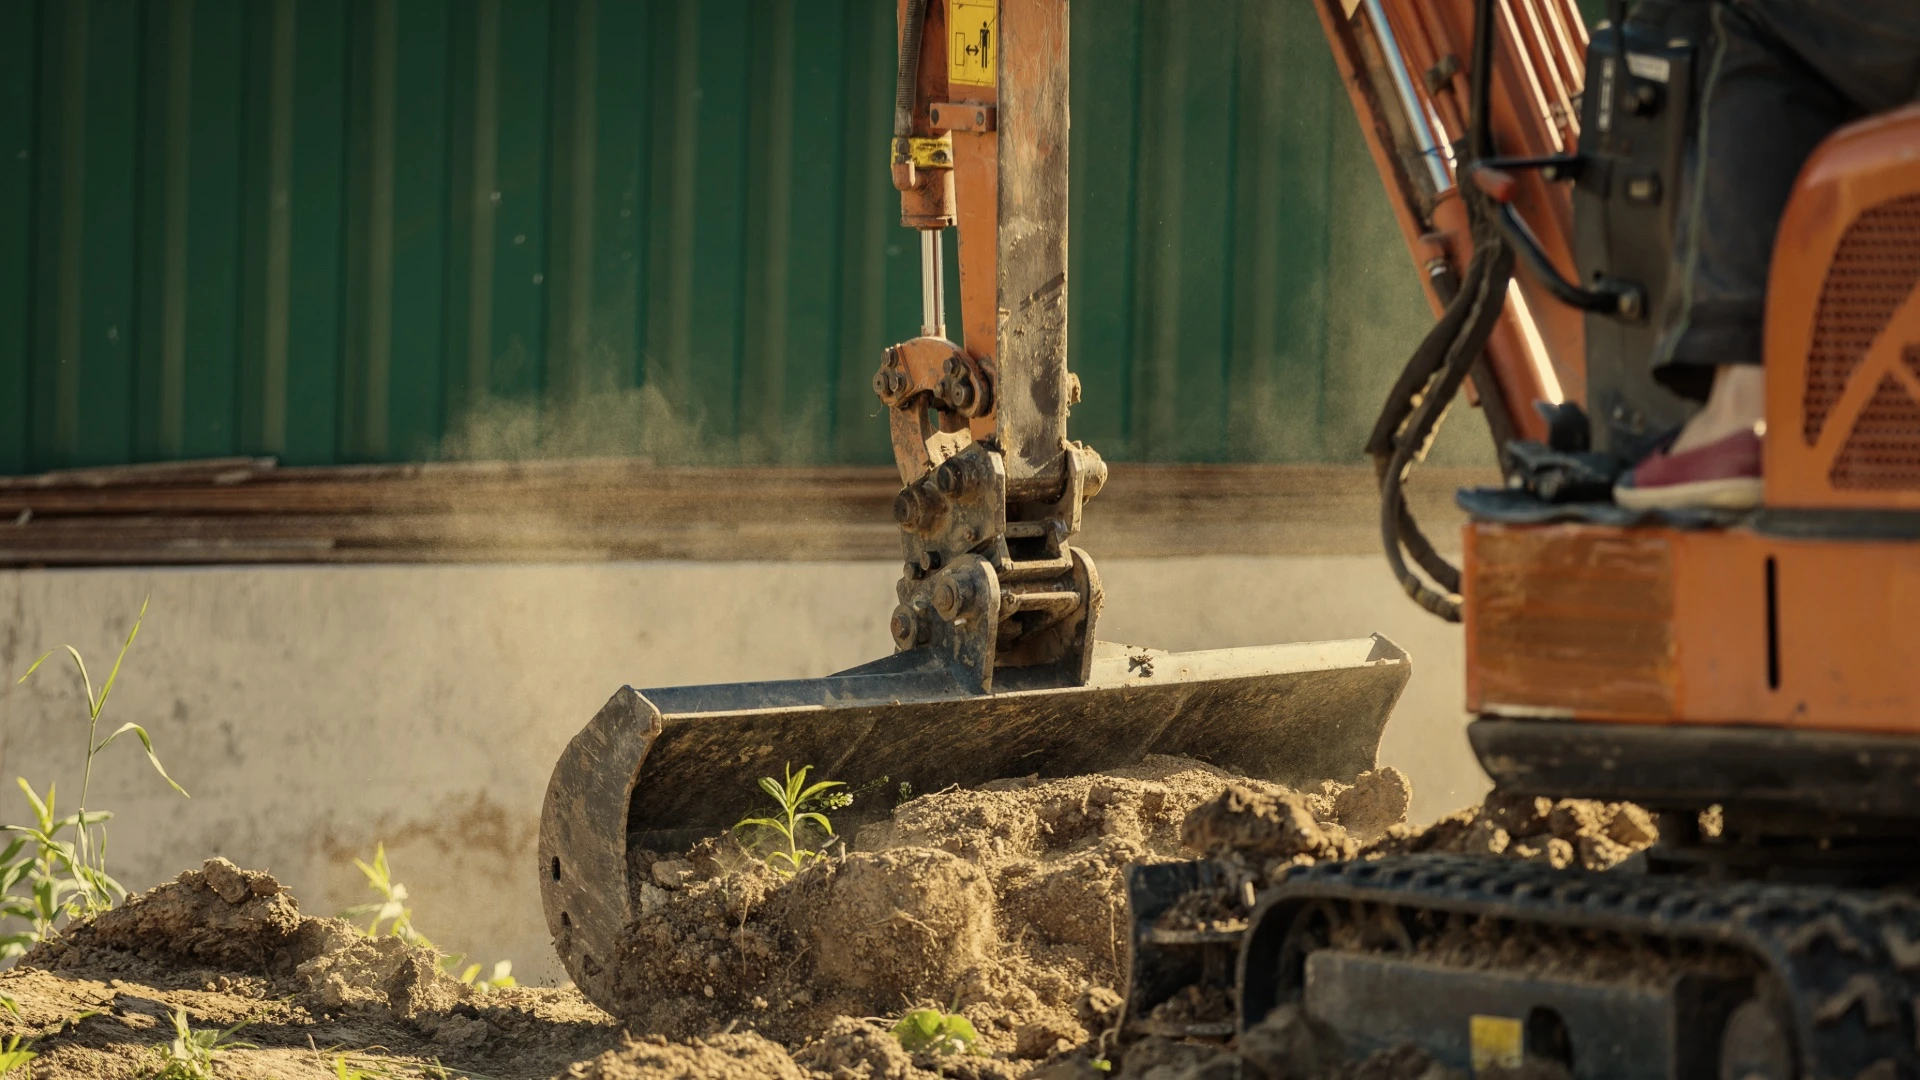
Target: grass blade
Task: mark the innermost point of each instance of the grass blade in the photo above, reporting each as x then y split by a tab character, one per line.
93	706
115	673
151	756
36	665
39	808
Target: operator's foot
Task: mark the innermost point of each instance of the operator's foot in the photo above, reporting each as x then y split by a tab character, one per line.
1737	402
1723	475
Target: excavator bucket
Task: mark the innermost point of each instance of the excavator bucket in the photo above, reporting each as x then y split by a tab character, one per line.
659	769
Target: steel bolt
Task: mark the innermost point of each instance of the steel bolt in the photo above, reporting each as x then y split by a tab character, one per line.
951	598
912	509
951	478
904	627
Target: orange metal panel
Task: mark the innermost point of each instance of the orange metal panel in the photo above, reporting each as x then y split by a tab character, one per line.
1843	325
1572	621
1706	627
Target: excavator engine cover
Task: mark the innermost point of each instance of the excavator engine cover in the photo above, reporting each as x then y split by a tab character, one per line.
660	769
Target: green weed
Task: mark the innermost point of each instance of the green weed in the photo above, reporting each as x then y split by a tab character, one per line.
191	1054
391	909
931	1031
67	878
389	916
15	1052
795	801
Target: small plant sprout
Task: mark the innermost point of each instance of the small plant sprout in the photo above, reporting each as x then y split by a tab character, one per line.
501	978
346	1069
67	878
15	1052
930	1031
191	1053
389	916
391	909
795	800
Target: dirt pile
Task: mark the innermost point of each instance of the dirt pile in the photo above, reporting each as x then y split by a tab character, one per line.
1004	903
231	946
1275	828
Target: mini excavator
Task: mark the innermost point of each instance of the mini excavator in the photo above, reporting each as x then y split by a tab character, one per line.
1748	677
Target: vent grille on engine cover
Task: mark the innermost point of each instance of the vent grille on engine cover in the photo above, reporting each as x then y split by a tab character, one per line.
1882	451
1875	268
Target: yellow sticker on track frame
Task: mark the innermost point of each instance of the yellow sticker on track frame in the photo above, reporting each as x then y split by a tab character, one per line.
1495	1042
973	42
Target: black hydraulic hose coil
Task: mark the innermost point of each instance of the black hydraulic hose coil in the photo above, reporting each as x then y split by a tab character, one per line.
906	86
1445	359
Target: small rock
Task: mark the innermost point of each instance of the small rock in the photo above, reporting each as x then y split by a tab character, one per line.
465	1031
226	879
652	898
1098	1008
1600	853
1377	801
1633	826
1153	799
1290	1045
1556	853
671	873
1043	1038
1485	838
1571	819
1520	815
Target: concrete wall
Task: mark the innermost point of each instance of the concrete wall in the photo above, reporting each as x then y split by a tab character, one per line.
312	711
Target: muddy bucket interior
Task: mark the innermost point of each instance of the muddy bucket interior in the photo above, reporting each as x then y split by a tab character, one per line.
662	768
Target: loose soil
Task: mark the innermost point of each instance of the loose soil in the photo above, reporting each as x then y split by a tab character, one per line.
1003	903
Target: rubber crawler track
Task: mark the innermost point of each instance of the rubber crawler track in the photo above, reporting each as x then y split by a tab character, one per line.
1849	961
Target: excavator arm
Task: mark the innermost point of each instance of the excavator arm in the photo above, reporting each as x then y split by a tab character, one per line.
996	671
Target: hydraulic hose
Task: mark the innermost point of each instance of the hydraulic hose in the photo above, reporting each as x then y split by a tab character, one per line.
907	81
1484	293
1447	357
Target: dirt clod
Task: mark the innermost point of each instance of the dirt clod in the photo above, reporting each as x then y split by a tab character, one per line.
716	1057
1376	802
1261	824
904	923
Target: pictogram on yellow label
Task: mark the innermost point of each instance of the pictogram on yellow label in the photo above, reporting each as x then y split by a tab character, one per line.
973	42
1496	1042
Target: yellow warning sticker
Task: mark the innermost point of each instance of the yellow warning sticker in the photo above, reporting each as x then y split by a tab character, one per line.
1496	1042
973	42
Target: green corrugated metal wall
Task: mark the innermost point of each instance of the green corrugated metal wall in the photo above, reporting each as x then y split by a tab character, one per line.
381	230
